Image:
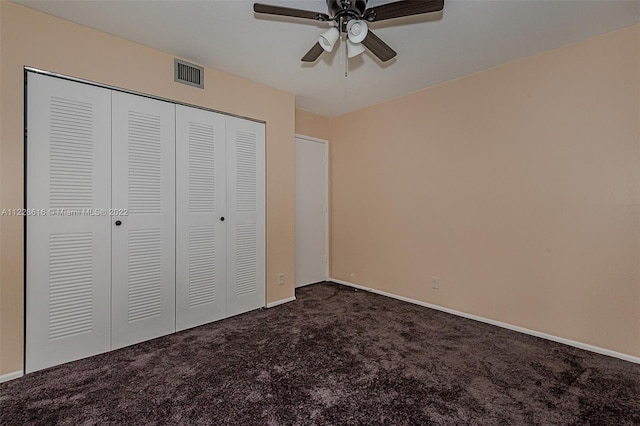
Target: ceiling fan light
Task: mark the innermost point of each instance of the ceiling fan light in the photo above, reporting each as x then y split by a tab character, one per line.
357	30
354	49
328	39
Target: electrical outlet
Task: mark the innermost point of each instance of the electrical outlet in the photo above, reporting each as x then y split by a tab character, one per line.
435	282
281	279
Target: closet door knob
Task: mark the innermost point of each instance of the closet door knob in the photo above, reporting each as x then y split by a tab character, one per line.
118	222
222	219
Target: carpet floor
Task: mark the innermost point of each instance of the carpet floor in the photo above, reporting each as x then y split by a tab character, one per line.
334	356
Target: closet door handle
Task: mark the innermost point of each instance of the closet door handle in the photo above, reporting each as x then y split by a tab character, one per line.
222	219
118	222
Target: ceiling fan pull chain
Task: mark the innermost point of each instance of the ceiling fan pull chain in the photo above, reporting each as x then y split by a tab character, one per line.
343	47
345	55
341	40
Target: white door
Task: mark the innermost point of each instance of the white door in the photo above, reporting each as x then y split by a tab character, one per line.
68	269
311	211
245	215
143	239
201	209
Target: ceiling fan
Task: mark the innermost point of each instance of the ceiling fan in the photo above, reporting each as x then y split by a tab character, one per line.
351	17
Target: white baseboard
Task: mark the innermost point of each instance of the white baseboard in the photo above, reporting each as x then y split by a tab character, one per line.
281	301
308	284
11	376
551	337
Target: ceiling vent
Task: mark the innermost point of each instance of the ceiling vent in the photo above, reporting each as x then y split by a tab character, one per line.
186	73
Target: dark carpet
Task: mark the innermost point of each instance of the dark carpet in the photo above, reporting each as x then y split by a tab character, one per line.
334	356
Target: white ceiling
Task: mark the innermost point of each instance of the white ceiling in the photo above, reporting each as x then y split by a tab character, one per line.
470	36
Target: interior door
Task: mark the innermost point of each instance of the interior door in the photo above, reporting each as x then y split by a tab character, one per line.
143	228
200	223
311	211
245	215
68	270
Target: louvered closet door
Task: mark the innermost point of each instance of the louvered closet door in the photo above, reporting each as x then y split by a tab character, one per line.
68	253
143	248
246	216
200	231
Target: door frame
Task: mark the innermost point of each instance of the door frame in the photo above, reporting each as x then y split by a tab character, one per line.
327	198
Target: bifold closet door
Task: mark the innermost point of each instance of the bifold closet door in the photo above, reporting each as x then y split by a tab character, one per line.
200	217
68	265
246	215
143	238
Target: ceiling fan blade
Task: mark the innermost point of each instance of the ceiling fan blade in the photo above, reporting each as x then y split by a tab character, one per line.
402	8
378	47
287	11
313	54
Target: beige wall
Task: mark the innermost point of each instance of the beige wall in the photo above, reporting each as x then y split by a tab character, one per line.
30	38
314	125
518	187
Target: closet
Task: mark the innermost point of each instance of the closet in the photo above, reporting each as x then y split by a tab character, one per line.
144	217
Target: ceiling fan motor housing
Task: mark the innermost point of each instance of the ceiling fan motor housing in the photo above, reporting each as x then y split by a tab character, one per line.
349	9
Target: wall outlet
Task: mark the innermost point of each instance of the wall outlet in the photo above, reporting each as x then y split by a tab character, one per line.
435	282
280	278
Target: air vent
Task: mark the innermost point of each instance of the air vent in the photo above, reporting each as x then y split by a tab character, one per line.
186	73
